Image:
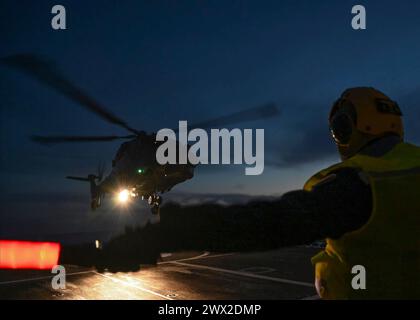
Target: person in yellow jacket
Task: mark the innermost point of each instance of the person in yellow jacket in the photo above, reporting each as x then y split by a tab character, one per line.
367	128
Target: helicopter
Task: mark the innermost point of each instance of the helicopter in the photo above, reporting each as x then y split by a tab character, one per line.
135	172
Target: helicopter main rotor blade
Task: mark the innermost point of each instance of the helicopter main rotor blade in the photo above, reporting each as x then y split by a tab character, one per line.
78	178
44	72
262	112
62	139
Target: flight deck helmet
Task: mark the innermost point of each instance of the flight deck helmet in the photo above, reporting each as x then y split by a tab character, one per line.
361	115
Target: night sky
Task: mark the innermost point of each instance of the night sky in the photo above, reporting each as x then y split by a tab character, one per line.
157	62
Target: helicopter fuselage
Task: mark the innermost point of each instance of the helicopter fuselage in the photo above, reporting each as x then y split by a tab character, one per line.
135	169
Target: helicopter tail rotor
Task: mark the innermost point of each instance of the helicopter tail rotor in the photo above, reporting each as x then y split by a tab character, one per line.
95	191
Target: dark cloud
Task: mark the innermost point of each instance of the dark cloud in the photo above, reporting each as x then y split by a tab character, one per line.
314	144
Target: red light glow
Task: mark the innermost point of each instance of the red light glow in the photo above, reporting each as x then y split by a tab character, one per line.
28	255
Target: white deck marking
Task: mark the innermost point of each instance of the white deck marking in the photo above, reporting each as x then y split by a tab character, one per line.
43	278
134	286
245	274
205	255
215	255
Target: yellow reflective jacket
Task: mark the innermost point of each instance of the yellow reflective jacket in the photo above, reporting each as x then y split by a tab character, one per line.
388	245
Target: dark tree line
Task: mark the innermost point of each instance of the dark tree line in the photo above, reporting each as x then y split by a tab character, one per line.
255	226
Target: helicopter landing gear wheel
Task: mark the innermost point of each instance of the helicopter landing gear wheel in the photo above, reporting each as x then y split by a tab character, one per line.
95	203
154	201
